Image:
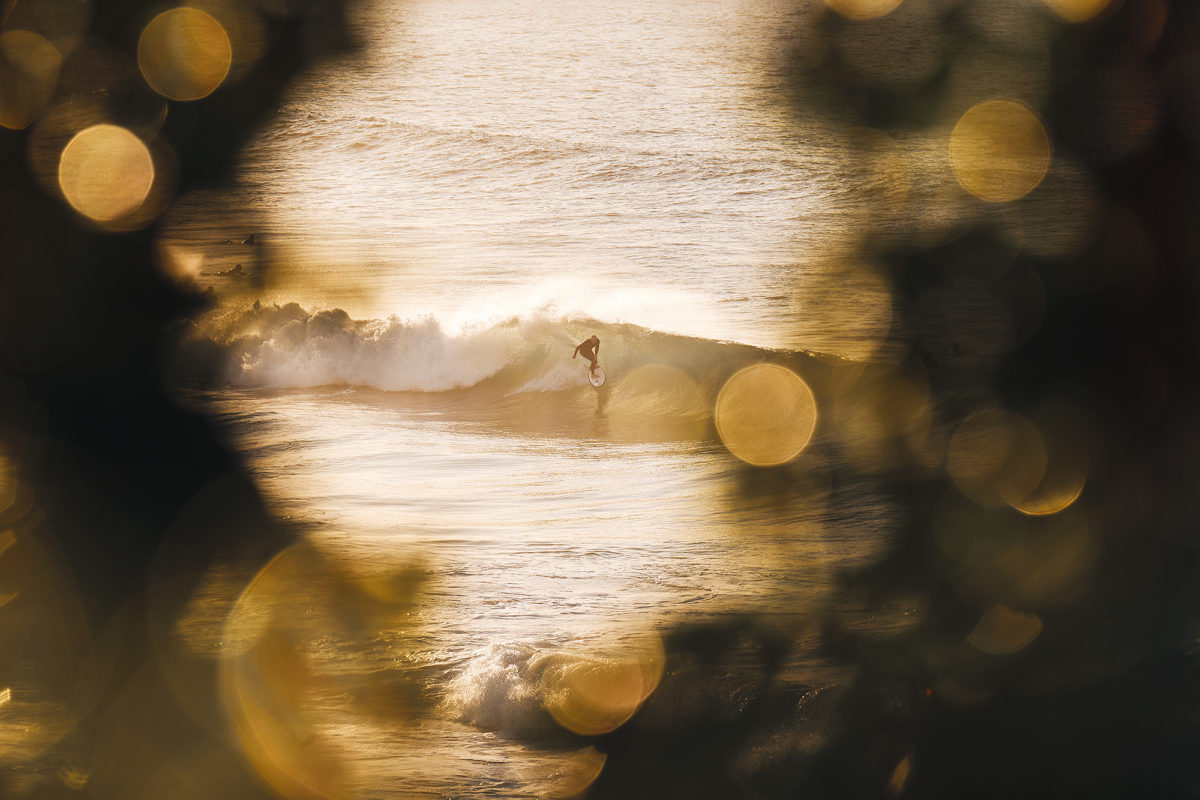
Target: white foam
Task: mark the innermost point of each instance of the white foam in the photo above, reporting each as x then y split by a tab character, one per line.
500	689
663	308
286	346
394	355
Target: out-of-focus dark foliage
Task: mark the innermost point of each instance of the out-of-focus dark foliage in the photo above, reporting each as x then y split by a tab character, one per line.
1033	670
120	500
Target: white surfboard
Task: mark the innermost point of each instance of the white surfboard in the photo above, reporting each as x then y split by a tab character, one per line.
596	376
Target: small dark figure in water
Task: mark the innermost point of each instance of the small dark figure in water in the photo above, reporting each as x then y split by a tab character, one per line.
591	351
248	239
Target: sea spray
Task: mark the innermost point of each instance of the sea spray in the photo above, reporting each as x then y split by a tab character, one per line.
522	690
500	689
652	374
288	347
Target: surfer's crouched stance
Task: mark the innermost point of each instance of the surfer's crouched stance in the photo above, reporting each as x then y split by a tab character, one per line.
590	348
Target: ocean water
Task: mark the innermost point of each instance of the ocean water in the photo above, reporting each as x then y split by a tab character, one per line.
437	221
630	162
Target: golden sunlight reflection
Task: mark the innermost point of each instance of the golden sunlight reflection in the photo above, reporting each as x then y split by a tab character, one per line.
594	696
900	776
105	172
888	170
883	417
1062	485
29	66
8	492
863	9
184	54
162	190
31	722
1066	427
845	309
63	22
1003	631
765	414
1077	10
180	263
298	664
798	490
243	25
44	626
658	402
996	457
999	151
266	694
1016	74
577	772
7	540
879	620
1058	219
73	778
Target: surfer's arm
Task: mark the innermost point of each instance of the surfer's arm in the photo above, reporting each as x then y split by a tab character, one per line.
576	351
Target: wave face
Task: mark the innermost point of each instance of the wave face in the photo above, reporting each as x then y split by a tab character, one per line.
287	346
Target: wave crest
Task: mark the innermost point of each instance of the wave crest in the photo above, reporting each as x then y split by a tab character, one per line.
650	373
287	346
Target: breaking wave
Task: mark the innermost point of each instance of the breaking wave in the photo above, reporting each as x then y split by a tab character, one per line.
523	690
287	346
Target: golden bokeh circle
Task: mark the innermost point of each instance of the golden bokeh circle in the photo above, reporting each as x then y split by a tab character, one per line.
280	684
996	458
863	9
1077	10
105	172
596	696
999	151
184	54
1061	485
765	414
29	66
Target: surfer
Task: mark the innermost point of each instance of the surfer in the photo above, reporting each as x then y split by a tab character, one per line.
591	351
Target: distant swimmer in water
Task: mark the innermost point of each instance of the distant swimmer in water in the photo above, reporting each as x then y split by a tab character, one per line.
591	351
